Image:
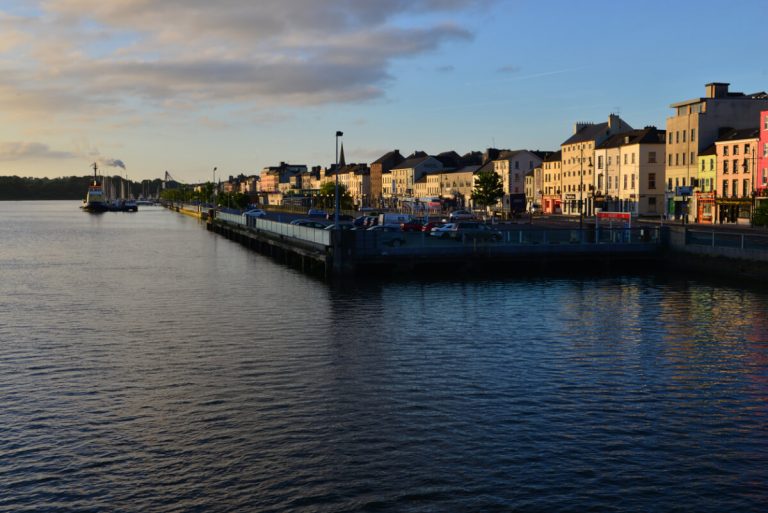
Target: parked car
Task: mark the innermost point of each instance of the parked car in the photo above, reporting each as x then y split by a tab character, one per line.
468	230
309	223
535	209
254	212
316	212
391	235
460	215
359	221
371	221
342	217
413	225
385	228
427	227
443	231
342	226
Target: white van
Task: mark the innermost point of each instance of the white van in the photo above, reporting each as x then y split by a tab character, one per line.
394	218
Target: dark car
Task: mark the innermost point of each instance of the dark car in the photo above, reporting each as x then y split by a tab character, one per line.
468	230
342	217
309	223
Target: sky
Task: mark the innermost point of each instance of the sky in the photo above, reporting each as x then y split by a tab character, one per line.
188	85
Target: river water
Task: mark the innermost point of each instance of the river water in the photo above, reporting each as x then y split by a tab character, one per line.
149	365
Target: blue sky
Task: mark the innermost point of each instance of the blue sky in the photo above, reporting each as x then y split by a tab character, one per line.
186	85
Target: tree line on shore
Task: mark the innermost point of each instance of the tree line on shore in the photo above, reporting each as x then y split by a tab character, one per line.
17	188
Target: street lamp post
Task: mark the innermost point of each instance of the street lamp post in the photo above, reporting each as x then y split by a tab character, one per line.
213	188
581	188
336	189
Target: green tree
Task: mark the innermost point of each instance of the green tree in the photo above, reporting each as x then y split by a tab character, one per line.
327	196
760	218
488	188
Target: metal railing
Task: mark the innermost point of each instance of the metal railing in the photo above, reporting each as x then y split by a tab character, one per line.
716	239
304	233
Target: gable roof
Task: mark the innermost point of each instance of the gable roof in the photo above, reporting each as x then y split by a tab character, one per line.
710	150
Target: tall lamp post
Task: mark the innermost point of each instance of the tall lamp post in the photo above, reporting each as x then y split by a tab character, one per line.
754	187
213	188
336	189
581	188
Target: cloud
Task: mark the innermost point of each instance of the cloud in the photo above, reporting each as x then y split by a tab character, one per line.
509	68
90	57
30	150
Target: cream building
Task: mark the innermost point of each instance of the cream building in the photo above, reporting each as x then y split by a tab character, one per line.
629	172
578	154
551	184
512	166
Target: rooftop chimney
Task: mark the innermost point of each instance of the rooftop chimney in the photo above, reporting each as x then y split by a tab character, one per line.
579	125
717	90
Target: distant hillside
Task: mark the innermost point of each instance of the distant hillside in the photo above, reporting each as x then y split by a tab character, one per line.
15	188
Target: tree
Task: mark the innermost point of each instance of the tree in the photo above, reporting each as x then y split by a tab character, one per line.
488	188
327	196
760	217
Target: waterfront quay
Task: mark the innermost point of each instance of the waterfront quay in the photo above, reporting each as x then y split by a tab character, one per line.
541	244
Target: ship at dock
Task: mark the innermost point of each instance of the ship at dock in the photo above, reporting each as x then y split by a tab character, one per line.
95	200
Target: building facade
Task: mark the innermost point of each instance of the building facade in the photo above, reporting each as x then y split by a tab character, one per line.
693	127
736	153
379	167
577	154
551	182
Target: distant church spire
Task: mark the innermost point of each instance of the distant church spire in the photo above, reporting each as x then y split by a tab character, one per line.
342	163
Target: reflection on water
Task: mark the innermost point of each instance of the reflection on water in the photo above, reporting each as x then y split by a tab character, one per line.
149	365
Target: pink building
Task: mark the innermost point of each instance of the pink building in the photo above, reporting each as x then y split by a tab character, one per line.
736	174
761	180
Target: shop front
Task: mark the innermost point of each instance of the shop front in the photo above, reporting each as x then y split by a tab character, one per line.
551	204
705	207
734	210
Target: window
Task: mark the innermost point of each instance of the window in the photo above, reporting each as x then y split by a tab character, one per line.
633	158
669	185
669	135
703	165
725	187
599	162
765	145
725	167
765	123
633	181
517	165
735	149
625	182
725	151
693	157
693	135
670	156
683	135
677	137
735	167
625	158
745	188
599	182
677	159
735	187
711	164
683	158
651	157
652	181
746	149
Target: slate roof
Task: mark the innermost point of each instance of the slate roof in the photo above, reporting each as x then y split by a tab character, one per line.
737	134
410	163
587	133
647	135
393	155
711	150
